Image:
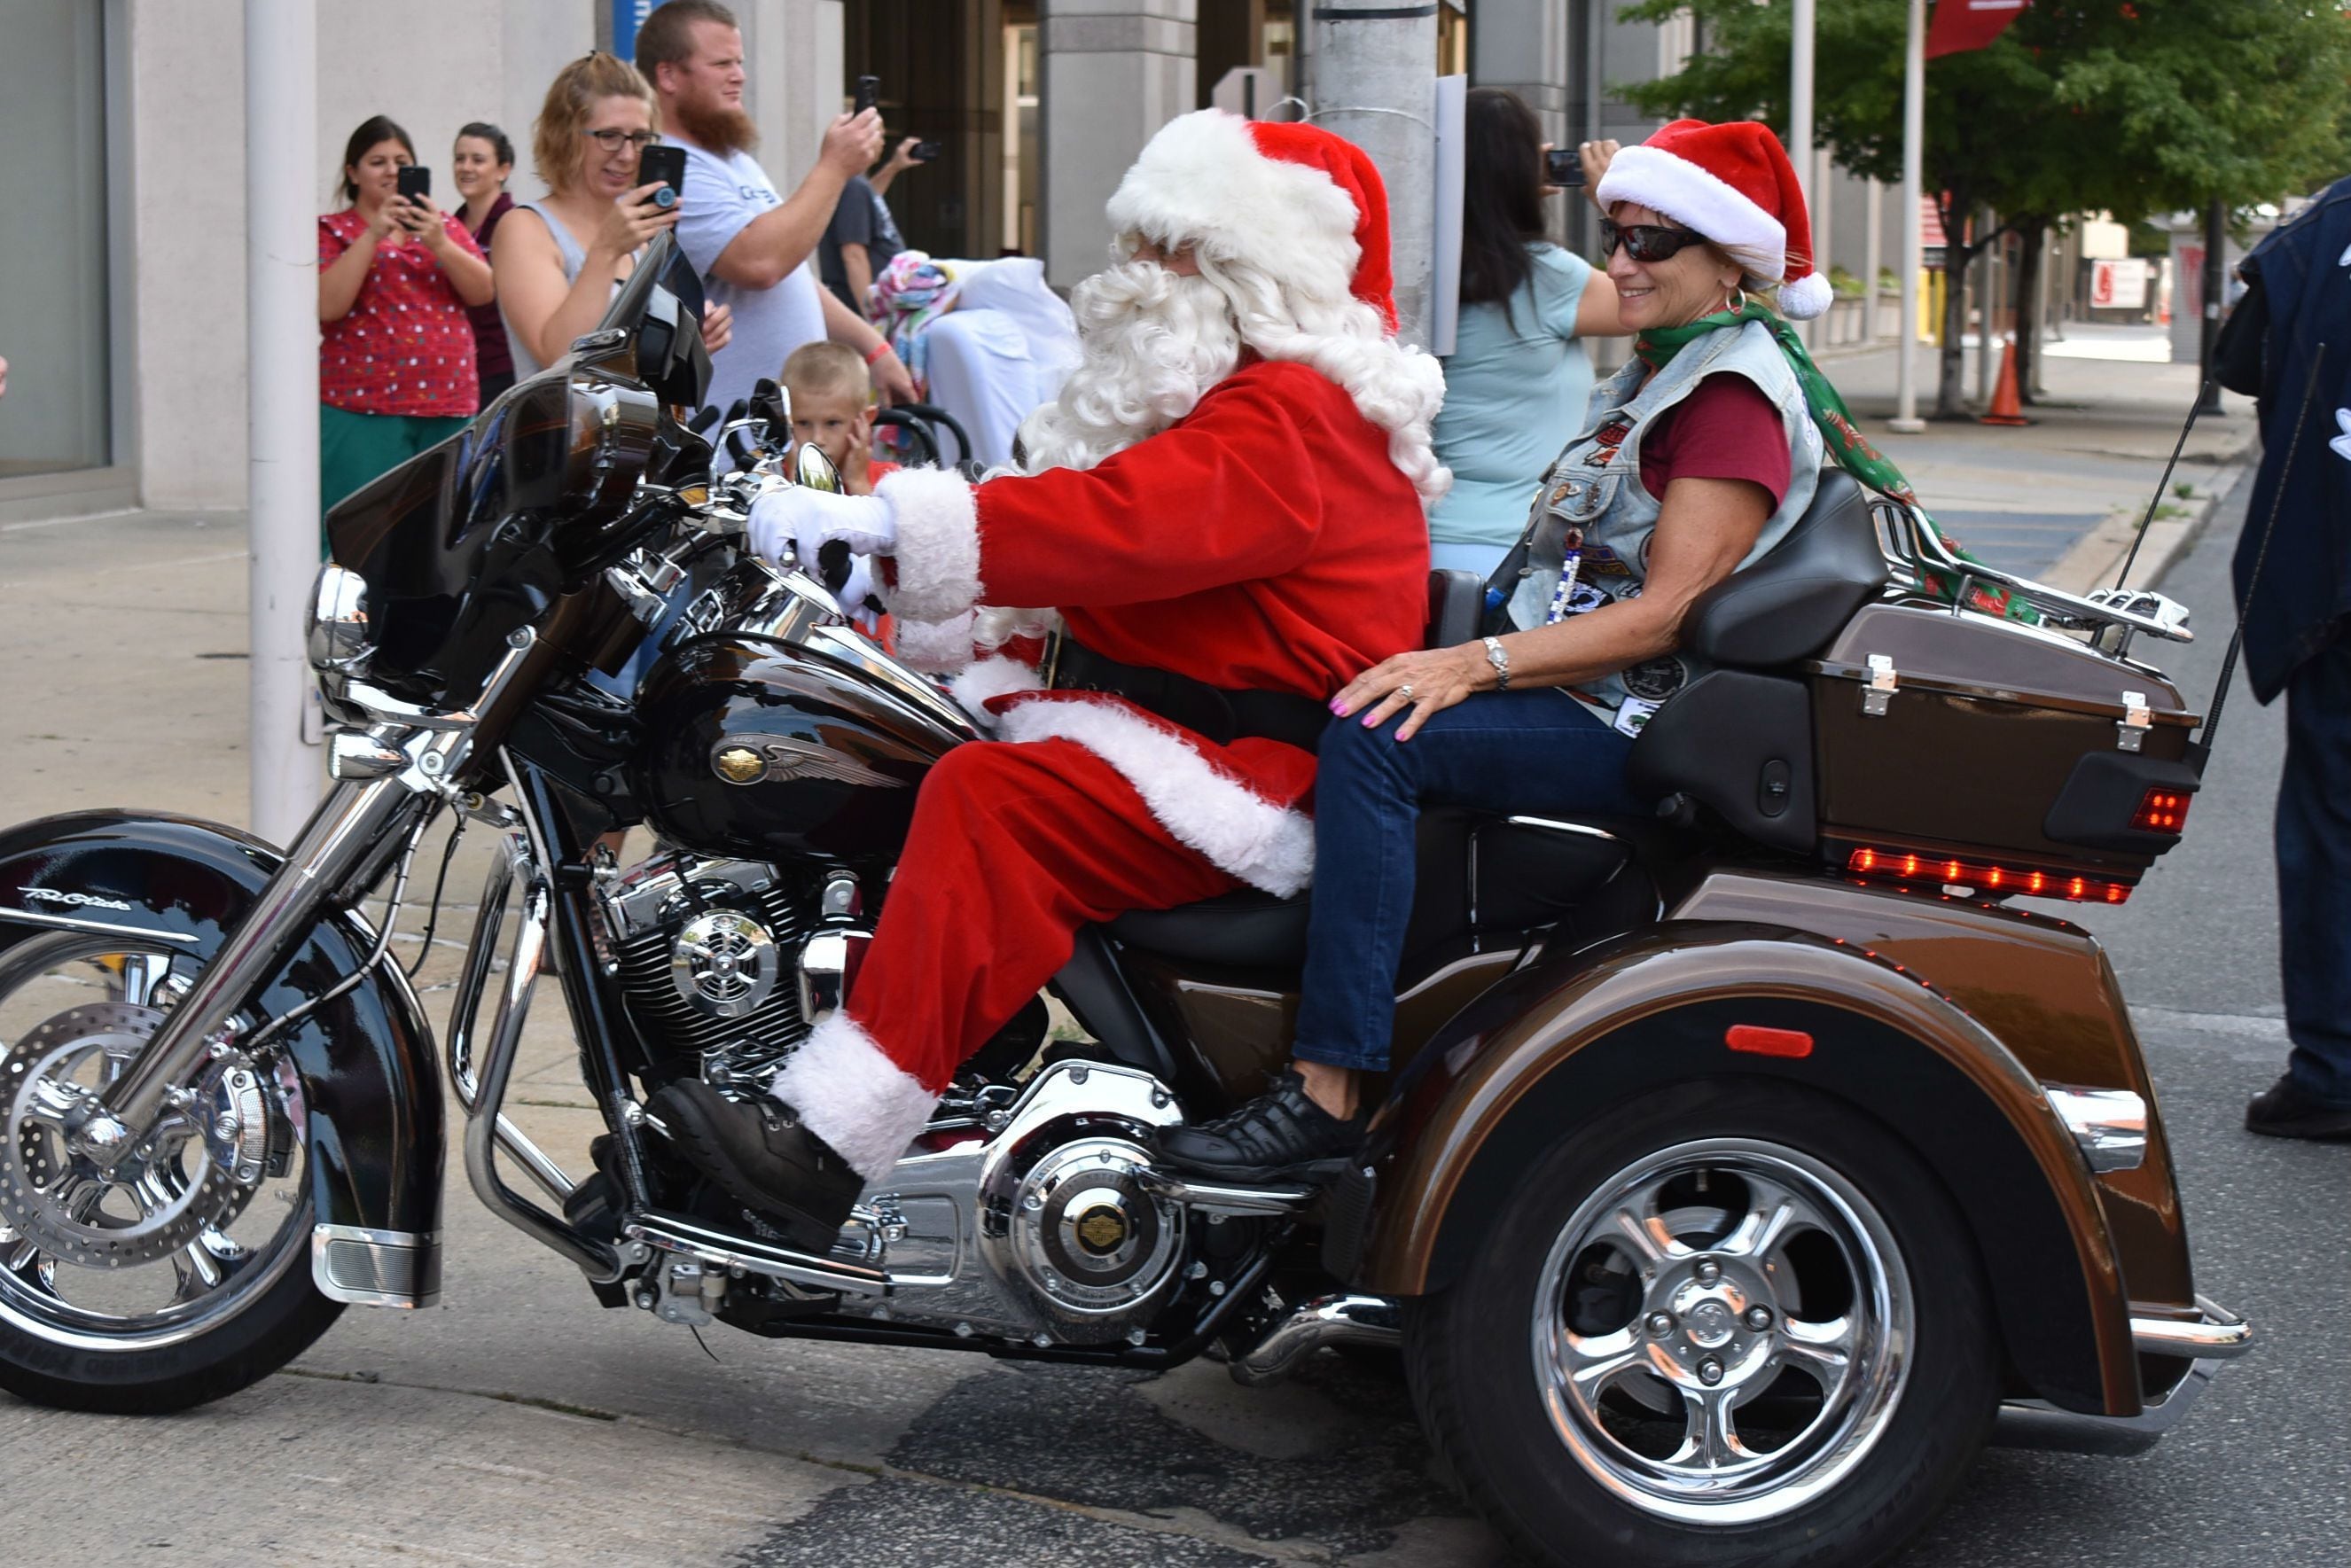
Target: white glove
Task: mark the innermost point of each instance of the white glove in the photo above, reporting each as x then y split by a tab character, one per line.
854	592
798	520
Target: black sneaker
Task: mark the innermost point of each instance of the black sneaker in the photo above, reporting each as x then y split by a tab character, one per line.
2286	1110
1279	1136
764	1157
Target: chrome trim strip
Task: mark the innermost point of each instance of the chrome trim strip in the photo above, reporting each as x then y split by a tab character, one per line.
1216	1197
2109	1125
404	1265
2218	1334
1325	1320
1582	829
676	1233
95	928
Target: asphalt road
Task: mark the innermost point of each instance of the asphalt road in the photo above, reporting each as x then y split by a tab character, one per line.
519	1424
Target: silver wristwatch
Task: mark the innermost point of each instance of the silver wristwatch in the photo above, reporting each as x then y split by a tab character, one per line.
1498	656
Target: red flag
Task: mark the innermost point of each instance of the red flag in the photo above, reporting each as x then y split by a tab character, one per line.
1963	25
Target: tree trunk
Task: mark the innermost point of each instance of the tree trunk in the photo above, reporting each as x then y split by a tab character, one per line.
2030	228
1951	385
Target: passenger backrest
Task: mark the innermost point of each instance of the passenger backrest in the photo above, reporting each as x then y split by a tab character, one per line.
1456	604
1788	605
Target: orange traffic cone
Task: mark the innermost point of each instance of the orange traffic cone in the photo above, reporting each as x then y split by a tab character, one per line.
2006	408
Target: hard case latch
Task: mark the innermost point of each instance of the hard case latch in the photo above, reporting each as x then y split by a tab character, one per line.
2130	730
1879	693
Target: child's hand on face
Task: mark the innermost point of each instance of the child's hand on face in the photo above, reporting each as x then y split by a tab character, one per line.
841	429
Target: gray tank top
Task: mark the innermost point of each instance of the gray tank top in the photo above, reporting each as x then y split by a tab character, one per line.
575	256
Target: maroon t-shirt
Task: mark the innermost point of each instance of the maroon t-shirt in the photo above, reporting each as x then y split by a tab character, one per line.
1726	429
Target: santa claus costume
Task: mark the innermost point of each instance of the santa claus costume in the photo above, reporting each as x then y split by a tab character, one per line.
1225	512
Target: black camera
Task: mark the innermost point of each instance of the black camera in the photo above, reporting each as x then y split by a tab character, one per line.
927	150
1562	167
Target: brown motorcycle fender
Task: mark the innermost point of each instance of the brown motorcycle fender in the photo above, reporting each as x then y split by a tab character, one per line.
1552	1047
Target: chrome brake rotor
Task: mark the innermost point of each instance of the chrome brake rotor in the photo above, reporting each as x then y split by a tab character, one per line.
158	1197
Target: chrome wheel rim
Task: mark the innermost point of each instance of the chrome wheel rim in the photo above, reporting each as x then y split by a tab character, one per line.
1723	1330
189	1230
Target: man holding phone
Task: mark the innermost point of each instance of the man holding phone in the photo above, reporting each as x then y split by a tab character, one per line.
753	246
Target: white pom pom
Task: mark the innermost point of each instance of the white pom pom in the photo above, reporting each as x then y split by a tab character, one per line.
1803	299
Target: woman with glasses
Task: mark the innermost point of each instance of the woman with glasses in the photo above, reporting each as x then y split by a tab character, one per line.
1518	376
555	269
1689	463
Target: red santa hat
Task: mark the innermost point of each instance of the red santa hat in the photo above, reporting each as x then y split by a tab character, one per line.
1733	183
1294	201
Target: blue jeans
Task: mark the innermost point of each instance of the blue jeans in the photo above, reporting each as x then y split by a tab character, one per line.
2314	873
1499	751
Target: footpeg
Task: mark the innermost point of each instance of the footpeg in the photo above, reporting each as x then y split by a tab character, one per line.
673	1233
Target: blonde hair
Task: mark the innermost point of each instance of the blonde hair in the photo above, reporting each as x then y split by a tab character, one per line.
828	370
572	97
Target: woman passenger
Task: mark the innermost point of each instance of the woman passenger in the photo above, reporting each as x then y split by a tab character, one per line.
395	351
1517	378
1693	460
555	269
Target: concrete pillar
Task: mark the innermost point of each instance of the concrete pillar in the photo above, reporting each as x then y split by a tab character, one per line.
1373	81
792	52
1116	71
1525	48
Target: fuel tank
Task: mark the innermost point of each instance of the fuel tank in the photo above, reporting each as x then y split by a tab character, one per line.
762	749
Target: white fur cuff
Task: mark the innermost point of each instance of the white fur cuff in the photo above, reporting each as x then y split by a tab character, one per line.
990	679
939	543
850	1093
940	647
1235	829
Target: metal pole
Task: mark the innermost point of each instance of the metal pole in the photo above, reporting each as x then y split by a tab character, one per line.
281	287
1914	239
2216	240
1873	256
1799	127
1375	84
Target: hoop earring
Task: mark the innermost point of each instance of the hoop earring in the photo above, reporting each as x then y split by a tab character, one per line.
1737	304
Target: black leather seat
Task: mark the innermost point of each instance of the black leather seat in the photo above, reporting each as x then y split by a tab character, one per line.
1456	604
1788	605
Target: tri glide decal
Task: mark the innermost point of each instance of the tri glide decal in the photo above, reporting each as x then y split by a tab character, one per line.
79	900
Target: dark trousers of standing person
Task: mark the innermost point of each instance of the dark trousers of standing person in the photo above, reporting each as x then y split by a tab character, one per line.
2314	867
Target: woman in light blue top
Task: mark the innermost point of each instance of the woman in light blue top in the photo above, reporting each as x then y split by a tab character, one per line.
1516	381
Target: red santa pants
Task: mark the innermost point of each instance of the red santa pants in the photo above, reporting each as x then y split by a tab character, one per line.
1013	847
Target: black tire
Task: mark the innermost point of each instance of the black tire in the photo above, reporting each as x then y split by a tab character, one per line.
277	1324
1475	1378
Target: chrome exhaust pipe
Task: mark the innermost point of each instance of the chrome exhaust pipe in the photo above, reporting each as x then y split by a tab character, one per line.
1325	1320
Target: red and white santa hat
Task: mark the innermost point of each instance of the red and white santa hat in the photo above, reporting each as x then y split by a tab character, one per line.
1733	183
1296	201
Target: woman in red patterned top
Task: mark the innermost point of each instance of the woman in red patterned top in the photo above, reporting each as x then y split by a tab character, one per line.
395	346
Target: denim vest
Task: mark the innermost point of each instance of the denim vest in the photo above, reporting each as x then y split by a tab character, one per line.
1592	505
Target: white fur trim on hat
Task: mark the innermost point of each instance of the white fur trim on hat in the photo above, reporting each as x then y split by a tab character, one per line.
1653	177
939	543
1807	297
850	1093
1201	180
1234	828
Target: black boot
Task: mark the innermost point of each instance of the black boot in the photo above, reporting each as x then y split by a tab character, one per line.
2284	1110
762	1156
1279	1136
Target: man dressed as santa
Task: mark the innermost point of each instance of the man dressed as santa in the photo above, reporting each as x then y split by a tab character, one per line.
1224	510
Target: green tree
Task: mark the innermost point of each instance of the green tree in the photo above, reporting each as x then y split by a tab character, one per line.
2130	106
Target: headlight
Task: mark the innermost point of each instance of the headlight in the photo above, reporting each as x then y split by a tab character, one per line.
337	637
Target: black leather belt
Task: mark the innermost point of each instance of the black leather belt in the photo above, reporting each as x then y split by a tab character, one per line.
1214	711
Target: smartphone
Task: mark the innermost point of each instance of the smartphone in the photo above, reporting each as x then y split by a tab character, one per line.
927	150
869	94
667	165
1562	167
415	181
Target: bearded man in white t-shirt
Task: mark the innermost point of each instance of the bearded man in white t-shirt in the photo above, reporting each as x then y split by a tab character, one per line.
755	249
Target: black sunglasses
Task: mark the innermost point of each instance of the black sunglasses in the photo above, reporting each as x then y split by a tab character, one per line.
1645	241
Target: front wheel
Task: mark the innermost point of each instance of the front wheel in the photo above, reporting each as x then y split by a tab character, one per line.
179	1272
1737	1323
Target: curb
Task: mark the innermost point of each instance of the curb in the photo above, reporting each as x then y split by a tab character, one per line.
2097	556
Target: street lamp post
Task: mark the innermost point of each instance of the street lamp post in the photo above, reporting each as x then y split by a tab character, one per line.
1800	124
1914	239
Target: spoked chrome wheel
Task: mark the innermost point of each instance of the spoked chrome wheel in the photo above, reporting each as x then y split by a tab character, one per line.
145	1245
1722	1331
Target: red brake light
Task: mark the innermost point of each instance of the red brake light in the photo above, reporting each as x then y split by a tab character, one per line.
1757	1041
1884	865
2161	811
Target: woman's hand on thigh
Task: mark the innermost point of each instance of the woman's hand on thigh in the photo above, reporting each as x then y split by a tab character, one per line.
1427	681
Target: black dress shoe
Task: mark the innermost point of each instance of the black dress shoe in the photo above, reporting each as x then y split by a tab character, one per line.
1279	1136
764	1157
2286	1110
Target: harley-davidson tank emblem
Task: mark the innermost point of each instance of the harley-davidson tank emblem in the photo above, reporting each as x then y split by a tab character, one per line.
779	759
79	900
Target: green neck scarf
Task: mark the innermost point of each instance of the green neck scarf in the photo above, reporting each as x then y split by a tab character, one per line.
1657	348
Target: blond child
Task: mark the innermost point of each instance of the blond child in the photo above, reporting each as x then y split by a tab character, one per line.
832	410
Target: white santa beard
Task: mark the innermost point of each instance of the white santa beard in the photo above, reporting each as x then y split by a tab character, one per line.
1154	342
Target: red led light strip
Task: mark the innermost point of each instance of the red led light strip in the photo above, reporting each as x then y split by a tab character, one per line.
2161	811
1898	866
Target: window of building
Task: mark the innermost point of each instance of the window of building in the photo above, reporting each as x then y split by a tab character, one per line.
53	248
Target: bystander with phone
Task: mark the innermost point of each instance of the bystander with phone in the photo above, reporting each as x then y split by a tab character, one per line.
395	348
481	163
556	266
863	236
